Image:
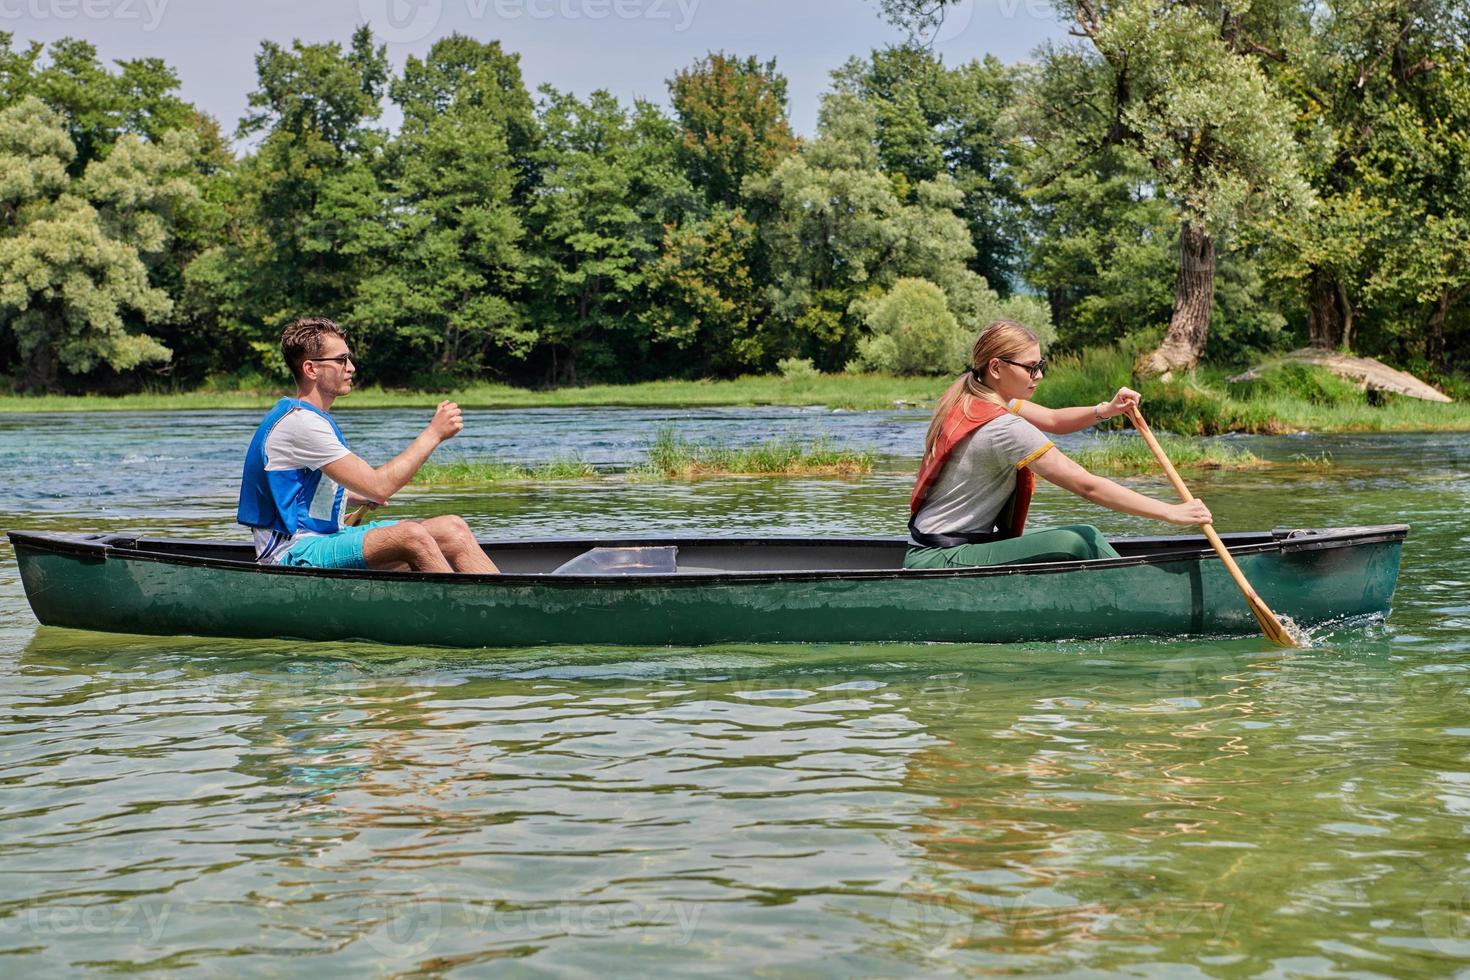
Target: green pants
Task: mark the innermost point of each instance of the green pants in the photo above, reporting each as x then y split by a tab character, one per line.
1075	542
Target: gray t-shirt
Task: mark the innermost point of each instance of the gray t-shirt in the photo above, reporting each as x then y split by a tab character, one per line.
980	476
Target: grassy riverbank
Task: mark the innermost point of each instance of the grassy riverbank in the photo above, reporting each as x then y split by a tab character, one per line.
1124	454
671	457
1204	404
865	391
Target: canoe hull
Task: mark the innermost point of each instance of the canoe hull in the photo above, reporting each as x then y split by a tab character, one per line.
71	581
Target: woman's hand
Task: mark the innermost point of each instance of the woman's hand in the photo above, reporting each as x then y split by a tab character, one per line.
1122	403
1193	512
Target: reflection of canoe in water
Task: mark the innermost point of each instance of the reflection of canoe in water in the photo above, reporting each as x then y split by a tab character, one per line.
709	590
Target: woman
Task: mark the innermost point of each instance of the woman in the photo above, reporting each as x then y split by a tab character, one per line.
983	451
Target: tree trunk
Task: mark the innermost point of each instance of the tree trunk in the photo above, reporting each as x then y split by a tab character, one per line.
1194	294
1329	318
42	370
1434	330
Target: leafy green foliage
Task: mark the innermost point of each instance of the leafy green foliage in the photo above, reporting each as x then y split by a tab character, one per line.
610	185
797	369
448	266
732	117
579	239
913	332
72	249
836	236
704	299
934	121
309	209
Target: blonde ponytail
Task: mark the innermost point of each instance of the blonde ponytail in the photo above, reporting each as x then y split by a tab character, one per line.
1002	338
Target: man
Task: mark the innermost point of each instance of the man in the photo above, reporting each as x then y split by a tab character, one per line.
298	471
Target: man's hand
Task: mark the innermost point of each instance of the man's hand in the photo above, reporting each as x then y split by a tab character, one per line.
447	421
1193	512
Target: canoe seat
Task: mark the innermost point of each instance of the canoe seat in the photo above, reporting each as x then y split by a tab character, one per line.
653	560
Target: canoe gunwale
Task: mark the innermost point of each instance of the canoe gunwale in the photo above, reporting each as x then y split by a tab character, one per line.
100	547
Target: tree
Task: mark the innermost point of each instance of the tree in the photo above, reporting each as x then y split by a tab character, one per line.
1216	135
98	107
1185	91
449	259
610	186
71	248
732	116
835	236
1381	101
706	302
305	198
933	120
1420	162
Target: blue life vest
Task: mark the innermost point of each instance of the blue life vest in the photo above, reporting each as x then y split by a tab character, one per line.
281	499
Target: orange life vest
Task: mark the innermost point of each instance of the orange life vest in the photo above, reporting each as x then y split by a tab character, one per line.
959	424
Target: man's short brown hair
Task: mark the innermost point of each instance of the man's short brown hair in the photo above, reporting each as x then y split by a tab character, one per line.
302	339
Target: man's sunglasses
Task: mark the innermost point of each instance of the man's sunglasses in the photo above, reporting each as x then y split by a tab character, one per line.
341	359
1035	370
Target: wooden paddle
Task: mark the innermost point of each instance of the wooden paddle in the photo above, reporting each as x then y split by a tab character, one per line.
354	516
1270	625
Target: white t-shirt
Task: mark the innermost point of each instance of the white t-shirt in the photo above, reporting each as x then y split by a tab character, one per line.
301	440
980	476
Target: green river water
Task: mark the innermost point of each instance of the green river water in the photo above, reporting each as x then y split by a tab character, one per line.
1197	807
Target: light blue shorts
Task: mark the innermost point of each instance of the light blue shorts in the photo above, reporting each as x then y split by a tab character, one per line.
340	550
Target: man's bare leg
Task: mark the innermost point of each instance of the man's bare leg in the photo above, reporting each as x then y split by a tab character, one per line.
407	542
458	545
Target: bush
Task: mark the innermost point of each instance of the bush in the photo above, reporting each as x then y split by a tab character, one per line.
913	332
797	368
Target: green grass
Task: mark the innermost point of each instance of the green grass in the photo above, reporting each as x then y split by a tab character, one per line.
1288	400
471	472
671	457
1122	454
863	391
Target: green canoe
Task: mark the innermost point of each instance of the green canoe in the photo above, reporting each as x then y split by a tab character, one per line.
651	592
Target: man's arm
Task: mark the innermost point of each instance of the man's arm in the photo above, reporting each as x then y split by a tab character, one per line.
380	483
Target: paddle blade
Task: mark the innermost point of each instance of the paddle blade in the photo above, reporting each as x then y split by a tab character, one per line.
1275	631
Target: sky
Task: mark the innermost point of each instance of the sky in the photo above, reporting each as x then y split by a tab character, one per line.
629	47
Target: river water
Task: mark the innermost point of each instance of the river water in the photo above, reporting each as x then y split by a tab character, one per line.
1193	807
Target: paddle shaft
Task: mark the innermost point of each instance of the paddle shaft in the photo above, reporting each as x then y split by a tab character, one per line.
354	516
1258	606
